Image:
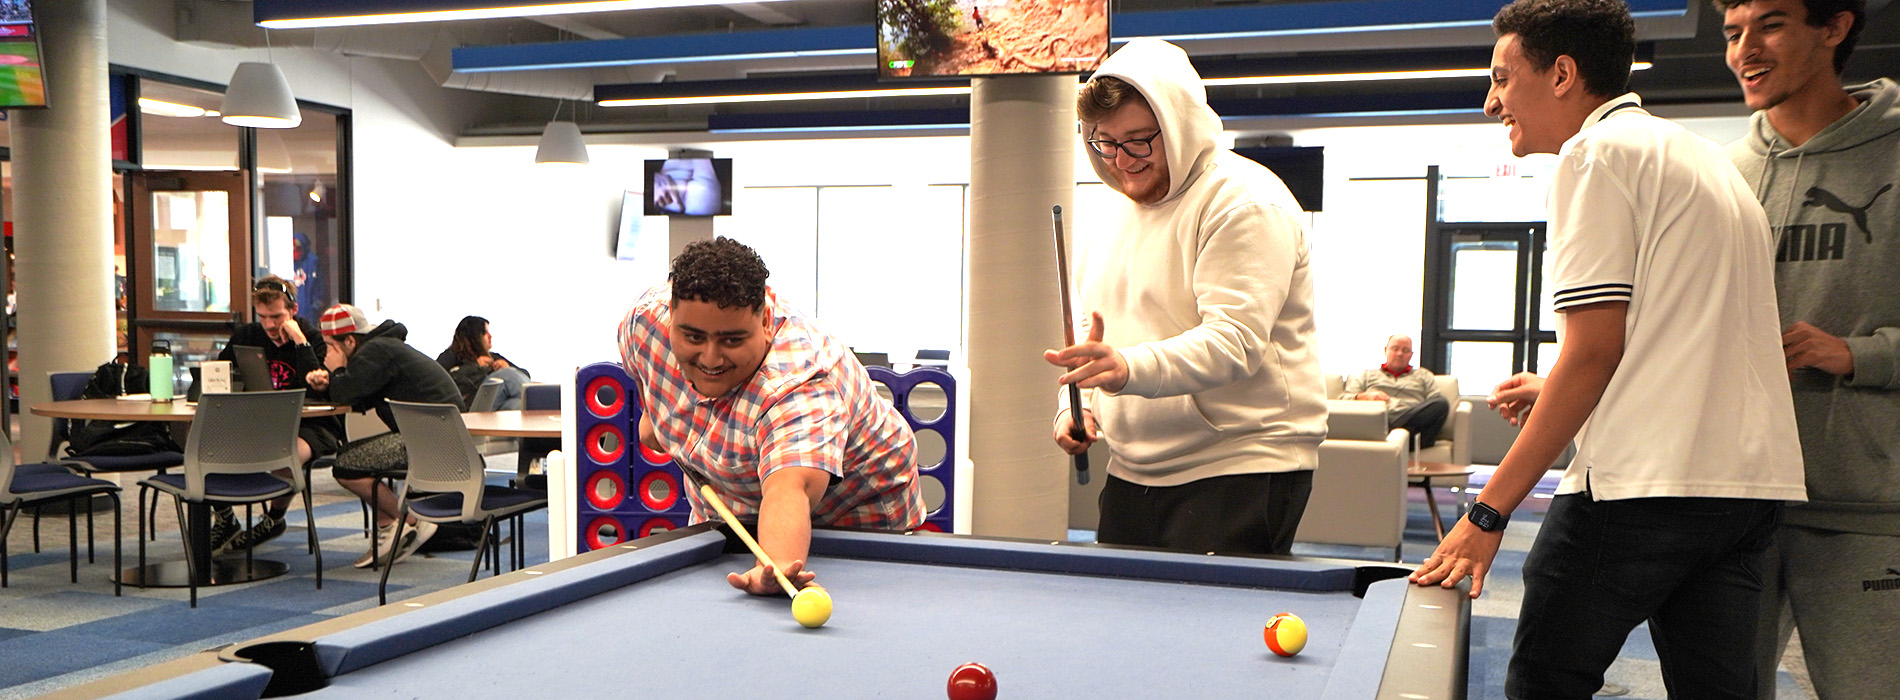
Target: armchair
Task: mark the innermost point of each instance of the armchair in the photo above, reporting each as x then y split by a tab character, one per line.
1454	444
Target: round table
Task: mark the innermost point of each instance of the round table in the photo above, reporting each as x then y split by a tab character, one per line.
518	424
1422	473
211	571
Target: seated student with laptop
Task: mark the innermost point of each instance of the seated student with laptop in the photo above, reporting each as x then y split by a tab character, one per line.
288	354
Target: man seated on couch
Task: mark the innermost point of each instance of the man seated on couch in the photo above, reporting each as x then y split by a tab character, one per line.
1410	393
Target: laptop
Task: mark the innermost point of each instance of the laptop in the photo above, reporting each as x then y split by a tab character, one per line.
252	369
250	362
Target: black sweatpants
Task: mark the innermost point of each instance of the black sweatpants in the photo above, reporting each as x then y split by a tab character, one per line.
1243	513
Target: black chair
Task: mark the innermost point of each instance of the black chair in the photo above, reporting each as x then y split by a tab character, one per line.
30	485
236	443
444	464
933	355
68	386
537	397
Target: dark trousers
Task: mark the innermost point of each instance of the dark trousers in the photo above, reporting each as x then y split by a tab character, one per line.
1425	419
1243	513
1691	567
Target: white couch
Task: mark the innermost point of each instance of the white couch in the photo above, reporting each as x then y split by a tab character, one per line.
1363	420
1359	489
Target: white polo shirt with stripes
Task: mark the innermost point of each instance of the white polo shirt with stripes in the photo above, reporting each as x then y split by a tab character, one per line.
1643	211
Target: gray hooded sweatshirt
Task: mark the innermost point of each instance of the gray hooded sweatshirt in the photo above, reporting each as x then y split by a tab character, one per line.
1837	219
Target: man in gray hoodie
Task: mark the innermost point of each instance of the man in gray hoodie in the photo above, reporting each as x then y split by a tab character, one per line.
1824	161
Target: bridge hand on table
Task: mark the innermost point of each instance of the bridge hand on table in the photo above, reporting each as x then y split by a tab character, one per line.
760	581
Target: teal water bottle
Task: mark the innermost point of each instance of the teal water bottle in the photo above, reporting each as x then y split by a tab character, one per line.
160	367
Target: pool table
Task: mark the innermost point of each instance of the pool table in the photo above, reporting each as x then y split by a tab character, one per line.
654	618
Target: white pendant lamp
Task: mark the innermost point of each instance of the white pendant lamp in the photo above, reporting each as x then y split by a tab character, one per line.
260	97
561	142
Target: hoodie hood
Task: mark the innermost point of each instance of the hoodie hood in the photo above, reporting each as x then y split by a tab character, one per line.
389	329
1189	128
1878	115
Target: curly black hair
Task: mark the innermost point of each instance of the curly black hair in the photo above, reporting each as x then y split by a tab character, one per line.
1819	13
1598	34
722	271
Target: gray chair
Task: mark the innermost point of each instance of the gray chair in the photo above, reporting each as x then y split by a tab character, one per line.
29	485
486	396
487	399
446	484
236	443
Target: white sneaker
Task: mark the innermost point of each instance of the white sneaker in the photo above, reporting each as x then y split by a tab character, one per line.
413	539
384	533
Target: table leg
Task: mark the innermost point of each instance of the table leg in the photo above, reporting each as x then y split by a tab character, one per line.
210	571
1438	525
200	533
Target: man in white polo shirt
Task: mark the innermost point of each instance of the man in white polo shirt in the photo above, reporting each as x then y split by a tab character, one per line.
1671	380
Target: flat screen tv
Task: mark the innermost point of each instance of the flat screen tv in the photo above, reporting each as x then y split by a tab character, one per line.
923	38
1302	168
22	81
689	187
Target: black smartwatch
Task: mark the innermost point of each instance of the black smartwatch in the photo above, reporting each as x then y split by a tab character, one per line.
1487	518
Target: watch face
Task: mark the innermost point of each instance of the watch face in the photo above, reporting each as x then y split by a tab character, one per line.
1485	517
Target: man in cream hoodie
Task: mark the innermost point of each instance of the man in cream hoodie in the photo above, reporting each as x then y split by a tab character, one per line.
1824	161
1199	361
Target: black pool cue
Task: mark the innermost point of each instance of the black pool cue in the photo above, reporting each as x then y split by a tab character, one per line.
1078	432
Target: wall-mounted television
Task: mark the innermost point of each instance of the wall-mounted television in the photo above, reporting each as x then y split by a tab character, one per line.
689	187
22	80
918	38
1302	168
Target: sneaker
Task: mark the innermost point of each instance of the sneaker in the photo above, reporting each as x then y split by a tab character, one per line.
414	538
380	546
266	528
224	528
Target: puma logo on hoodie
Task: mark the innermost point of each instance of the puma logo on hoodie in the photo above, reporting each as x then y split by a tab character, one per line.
1818	197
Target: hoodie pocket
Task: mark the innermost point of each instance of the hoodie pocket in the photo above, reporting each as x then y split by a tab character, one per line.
1146	431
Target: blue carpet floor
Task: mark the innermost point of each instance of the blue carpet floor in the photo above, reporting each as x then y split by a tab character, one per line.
54	634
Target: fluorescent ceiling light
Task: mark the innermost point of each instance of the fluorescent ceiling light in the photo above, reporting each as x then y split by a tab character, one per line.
162	108
788	96
566	8
1357	77
965	89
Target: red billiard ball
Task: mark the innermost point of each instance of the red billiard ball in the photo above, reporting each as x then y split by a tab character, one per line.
972	682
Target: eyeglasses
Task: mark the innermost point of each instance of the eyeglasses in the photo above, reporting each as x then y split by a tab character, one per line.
271	285
1135	148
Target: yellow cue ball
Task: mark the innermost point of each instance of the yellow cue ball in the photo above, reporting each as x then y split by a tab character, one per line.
1286	634
812	607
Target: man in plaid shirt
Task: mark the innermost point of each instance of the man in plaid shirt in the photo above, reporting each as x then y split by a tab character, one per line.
747	395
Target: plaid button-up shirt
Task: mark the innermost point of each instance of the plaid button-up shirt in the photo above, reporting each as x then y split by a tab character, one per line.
810	404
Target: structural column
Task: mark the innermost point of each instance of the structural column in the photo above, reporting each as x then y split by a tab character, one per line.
62	194
1022	163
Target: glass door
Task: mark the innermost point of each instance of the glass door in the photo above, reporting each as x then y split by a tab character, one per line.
190	257
1485	319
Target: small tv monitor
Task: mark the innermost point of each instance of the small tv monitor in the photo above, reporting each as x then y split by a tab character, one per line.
935	38
689	187
1302	168
22	79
